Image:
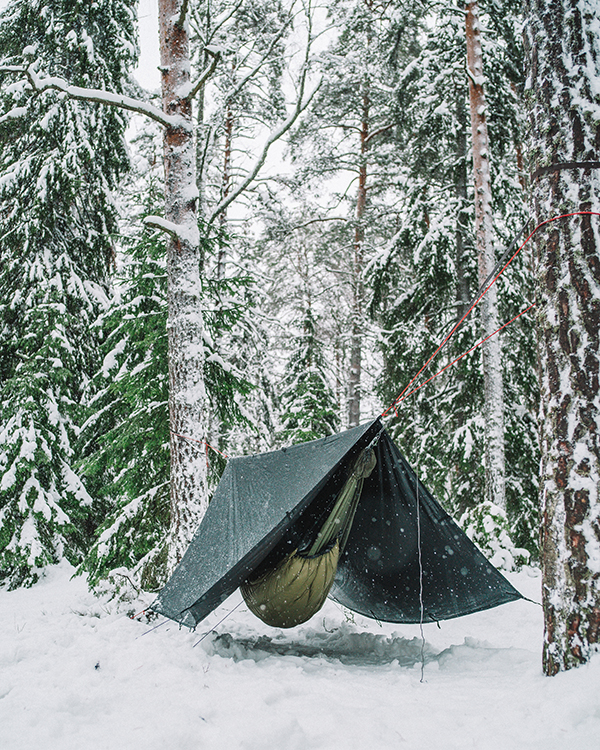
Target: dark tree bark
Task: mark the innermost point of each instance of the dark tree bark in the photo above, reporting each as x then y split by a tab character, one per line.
564	112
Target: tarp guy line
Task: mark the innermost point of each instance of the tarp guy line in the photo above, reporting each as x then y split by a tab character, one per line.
477	300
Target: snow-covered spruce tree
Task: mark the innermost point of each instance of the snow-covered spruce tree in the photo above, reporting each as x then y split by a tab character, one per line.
563	65
59	162
126	439
240	297
423	283
308	406
425	279
300	268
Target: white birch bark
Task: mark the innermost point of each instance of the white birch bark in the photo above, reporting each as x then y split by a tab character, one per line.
492	349
564	111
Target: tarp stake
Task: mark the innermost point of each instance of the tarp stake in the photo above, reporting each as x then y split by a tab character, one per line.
212	630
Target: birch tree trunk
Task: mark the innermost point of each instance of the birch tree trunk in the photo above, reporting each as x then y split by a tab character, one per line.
358	287
492	352
185	323
564	111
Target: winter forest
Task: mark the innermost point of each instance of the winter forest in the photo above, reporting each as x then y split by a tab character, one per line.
326	213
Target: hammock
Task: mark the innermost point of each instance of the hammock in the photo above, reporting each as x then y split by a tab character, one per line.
293	590
404	559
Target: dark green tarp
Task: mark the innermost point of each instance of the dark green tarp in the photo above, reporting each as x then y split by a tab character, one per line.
266	504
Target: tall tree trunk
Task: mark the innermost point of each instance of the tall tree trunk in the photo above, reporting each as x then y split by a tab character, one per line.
460	191
563	58
185	323
358	287
225	185
203	138
492	352
462	291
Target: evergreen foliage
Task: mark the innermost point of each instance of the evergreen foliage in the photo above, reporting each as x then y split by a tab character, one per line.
246	344
422	284
59	163
488	526
125	441
308	406
126	438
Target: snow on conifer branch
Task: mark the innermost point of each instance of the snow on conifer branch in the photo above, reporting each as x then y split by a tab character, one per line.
181	232
40	84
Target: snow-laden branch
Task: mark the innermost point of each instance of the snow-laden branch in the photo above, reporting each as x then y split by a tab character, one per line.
377	132
99	96
181	232
216	56
274	136
14	113
219	22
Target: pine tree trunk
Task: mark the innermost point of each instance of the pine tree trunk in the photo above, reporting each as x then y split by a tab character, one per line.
225	185
358	289
564	111
185	322
492	352
203	136
460	191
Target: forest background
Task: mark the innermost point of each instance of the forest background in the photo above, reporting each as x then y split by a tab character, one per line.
337	225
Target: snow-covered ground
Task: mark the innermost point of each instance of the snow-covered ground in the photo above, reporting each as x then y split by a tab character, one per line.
77	673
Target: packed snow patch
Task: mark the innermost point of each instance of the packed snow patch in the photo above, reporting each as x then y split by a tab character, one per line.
76	672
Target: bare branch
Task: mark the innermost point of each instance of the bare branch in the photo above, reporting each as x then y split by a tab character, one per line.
378	132
184	9
231	95
317	221
216	56
219	23
275	136
97	95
